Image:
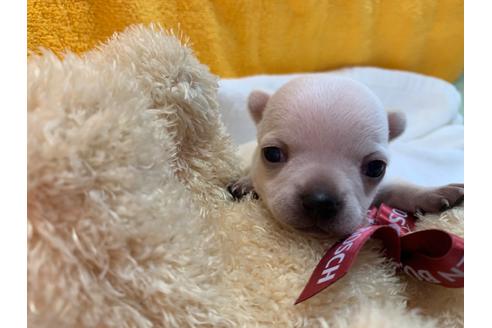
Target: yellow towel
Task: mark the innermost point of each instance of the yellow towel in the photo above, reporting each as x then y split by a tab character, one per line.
243	37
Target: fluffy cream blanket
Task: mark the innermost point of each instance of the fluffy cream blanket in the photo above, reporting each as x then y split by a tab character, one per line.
130	225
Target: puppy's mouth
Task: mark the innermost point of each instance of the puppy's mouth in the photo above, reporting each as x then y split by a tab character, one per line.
316	232
331	230
313	229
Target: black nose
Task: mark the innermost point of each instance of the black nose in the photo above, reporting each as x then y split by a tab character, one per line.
320	204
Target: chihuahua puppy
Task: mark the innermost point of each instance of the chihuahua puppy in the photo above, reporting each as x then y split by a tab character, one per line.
322	155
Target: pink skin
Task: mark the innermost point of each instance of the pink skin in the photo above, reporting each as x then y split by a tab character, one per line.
328	129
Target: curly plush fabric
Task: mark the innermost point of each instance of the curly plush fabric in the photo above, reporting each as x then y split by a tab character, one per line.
130	225
245	37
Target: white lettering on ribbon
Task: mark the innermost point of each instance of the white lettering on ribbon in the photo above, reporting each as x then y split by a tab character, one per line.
427	276
329	272
456	272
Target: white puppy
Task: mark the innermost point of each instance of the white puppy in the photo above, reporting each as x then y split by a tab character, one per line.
322	154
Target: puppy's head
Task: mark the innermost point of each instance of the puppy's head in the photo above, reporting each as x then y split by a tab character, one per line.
322	151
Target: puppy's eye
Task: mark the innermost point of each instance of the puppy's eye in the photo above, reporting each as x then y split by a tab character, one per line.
273	154
375	169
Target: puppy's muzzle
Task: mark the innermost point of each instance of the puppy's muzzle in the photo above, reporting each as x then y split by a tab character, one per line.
320	205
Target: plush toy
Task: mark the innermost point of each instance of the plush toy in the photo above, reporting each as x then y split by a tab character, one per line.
130	223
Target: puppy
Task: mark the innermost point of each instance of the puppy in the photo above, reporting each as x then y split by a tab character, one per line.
322	155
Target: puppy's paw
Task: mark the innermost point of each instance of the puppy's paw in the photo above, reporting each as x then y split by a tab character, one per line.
440	199
241	187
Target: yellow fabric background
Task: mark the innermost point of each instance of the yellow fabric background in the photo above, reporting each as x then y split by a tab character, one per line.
243	37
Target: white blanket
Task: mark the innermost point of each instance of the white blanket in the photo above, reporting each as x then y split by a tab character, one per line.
429	153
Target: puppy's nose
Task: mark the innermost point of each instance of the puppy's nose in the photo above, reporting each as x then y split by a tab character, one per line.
320	204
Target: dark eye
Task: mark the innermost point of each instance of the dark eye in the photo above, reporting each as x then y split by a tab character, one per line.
375	169
273	154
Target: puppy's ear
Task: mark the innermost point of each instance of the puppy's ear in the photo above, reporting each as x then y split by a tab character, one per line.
397	123
257	101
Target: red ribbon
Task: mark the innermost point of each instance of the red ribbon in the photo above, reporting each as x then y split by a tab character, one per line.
433	256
